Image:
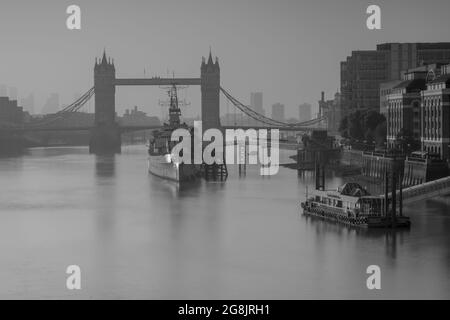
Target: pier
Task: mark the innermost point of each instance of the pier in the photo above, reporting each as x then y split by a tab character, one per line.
424	191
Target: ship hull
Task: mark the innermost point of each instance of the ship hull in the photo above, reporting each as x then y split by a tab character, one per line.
171	171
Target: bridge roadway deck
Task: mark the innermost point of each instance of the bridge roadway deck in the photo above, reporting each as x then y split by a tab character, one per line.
138	128
81	128
158	81
425	190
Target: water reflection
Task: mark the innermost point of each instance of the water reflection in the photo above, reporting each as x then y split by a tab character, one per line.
392	238
105	166
139	236
106	211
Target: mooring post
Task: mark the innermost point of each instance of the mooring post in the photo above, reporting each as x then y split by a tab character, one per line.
323	177
400	209
245	157
386	196
394	197
316	172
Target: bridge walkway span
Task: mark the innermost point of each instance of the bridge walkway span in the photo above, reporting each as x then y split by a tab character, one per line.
424	191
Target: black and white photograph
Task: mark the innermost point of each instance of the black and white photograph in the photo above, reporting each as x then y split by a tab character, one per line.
212	150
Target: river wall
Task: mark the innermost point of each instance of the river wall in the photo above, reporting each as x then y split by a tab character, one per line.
376	164
11	143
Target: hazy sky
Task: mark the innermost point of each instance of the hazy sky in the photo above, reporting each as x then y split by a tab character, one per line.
288	49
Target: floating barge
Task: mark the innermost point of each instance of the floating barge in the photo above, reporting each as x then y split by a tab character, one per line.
352	205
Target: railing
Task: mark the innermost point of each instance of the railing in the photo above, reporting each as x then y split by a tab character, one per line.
428	187
417	159
425	190
389	154
265	120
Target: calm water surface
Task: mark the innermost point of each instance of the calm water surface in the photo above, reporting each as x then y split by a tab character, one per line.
136	236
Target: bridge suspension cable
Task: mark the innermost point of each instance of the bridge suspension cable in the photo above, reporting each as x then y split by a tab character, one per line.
79	103
73	107
261	118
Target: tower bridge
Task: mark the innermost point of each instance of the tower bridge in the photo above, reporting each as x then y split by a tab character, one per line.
105	134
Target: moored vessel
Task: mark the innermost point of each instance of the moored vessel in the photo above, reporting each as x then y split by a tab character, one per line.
352	205
161	161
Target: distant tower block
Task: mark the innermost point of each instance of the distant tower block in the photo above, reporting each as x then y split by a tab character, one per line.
210	88
105	136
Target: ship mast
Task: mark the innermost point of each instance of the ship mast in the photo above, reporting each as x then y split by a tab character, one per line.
174	106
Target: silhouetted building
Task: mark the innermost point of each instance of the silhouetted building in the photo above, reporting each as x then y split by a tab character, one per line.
11	116
278	112
10	113
256	102
304	112
331	110
404	107
361	75
364	71
386	89
28	103
52	104
135	117
435	137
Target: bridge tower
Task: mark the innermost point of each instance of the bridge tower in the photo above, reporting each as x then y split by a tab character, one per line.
105	136
210	89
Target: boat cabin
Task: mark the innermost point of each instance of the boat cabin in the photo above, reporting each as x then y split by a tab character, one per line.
351	199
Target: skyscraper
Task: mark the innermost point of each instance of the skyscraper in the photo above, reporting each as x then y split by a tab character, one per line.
28	103
331	110
278	112
256	102
52	104
10	112
304	112
364	71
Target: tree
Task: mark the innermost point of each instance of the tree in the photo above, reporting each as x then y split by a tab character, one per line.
355	126
380	134
372	119
362	125
369	136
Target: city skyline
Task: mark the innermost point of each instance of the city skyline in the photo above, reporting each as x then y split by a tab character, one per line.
252	150
70	55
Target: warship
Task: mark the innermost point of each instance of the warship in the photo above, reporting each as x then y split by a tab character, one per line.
161	161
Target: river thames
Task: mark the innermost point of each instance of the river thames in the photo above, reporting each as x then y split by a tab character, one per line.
137	236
